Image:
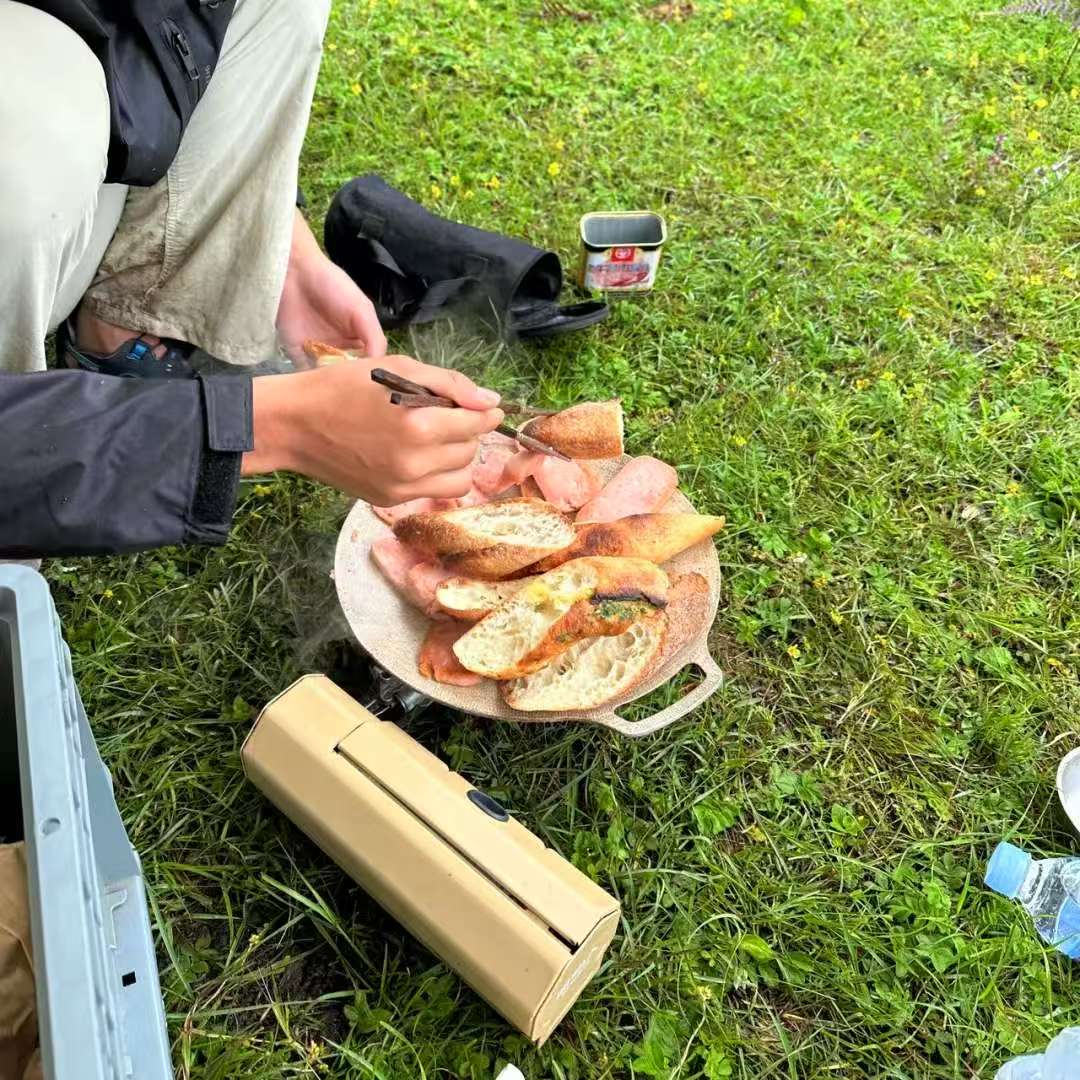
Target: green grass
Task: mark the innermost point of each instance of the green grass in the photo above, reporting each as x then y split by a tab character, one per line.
863	350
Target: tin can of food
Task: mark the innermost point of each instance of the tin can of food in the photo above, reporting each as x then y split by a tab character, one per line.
621	251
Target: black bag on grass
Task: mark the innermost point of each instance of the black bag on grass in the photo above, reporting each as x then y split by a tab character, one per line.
417	267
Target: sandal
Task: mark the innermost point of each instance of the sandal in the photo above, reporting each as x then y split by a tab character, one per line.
135	359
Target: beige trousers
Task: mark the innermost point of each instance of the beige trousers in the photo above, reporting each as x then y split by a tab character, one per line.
19	1056
201	256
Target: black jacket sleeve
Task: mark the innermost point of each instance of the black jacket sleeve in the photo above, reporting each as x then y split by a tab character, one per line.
99	465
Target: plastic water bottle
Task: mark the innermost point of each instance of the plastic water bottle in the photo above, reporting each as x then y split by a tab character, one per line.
1061	1061
1048	888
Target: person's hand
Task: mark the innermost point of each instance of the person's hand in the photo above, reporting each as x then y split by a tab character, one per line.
321	302
335	425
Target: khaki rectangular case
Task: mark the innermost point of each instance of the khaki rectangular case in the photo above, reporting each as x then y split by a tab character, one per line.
522	926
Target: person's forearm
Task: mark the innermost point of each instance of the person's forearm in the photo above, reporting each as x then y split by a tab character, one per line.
100	465
304	246
273	425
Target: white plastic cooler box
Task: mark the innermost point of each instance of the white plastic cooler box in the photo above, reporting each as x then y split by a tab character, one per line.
100	1014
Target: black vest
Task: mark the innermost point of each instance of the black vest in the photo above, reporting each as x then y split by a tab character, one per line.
158	57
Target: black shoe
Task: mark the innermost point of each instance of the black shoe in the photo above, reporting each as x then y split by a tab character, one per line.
135	359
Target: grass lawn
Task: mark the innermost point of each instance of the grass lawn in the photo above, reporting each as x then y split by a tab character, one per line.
864	350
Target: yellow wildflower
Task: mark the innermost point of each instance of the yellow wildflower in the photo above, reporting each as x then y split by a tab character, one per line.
553	168
560	146
493	183
262	490
1041	103
1069	273
1012	488
989	109
836	617
331	46
980	192
794	652
973	61
108	594
702	87
1022	58
738	440
468	194
1074	93
888	376
1053	661
727	14
455	180
861	384
436	191
904	313
820	581
1034	136
356	88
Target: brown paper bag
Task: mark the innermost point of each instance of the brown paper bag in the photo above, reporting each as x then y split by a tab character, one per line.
19	1055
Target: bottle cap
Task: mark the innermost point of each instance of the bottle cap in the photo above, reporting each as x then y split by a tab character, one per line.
1007	868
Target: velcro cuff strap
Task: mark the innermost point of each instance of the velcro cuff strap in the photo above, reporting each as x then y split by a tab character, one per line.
227	403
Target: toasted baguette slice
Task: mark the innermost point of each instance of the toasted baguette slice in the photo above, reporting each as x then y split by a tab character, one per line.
509	523
470	600
598	670
656	537
593	429
493	563
322	353
584	598
591	672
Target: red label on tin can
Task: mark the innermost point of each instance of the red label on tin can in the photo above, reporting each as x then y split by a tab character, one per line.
622	254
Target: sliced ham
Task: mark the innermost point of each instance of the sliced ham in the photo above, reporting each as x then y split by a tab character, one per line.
414	575
521	465
642	486
489	467
395	560
474	498
437	659
423	579
393	514
497	438
565	484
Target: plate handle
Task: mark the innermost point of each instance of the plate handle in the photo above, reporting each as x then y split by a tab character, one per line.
711	681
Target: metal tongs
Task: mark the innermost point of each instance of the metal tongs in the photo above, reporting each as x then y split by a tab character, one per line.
412	395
